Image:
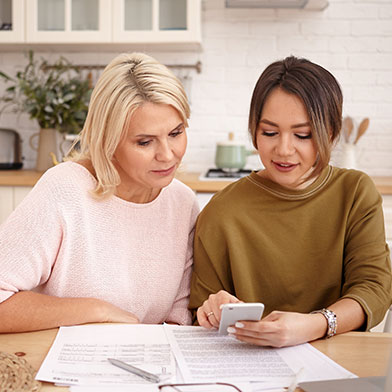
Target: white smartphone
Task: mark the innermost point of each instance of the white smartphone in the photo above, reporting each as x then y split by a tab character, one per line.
251	311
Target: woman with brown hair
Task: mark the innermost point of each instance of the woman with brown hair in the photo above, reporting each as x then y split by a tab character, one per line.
303	237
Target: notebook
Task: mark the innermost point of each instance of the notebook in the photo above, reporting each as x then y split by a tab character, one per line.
361	384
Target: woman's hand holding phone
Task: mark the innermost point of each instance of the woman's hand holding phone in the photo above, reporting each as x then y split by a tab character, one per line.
278	329
209	314
281	329
232	313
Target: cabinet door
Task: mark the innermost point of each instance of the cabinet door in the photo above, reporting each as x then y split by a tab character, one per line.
157	21
12	21
6	202
68	21
20	192
203	198
387	206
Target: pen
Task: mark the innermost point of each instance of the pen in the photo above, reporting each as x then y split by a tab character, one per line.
132	369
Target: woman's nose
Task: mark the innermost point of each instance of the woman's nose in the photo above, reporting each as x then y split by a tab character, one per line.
285	146
164	153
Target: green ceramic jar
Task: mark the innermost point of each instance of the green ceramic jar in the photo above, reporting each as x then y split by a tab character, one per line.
231	154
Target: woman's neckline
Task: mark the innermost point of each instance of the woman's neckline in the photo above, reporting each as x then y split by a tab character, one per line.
91	174
288	193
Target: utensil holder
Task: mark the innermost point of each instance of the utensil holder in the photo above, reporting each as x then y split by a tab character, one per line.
349	156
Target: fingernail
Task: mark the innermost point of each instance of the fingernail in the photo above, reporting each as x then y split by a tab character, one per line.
220	307
239	325
230	330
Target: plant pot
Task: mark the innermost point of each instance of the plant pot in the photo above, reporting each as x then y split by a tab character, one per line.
47	146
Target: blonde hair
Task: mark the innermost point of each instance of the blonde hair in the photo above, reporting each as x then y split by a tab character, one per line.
127	82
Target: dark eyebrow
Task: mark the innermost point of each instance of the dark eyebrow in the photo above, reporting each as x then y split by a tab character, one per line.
300	125
142	135
269	123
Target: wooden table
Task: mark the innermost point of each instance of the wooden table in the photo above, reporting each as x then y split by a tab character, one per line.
363	353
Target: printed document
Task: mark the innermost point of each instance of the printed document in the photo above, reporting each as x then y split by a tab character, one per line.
204	355
79	355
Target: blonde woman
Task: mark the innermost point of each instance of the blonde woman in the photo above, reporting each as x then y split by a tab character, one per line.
107	235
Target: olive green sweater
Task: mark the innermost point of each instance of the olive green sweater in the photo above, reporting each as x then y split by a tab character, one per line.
295	250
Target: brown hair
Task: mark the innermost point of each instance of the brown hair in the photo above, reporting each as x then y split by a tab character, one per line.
319	91
129	80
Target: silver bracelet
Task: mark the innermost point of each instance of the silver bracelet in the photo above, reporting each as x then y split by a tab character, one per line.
331	320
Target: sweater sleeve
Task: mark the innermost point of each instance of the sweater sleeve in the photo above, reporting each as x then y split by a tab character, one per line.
367	267
180	313
29	241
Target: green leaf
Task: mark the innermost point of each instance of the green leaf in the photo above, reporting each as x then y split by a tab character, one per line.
5	76
55	96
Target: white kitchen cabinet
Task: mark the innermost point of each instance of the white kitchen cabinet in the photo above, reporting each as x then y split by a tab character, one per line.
387	207
6	202
10	197
157	21
203	198
68	21
12	23
20	192
101	22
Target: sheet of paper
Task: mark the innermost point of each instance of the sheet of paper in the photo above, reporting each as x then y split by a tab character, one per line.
79	355
205	355
122	388
314	364
244	387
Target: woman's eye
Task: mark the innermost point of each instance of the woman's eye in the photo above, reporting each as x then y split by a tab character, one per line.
176	133
269	133
303	137
143	143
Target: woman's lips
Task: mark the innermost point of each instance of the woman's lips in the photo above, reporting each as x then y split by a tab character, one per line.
284	166
165	172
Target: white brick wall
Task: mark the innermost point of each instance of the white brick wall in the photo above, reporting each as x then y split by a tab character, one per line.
351	38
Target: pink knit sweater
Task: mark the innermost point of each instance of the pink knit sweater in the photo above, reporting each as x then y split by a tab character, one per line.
60	241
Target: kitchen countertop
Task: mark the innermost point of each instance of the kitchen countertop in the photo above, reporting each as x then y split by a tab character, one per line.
30	177
19	177
383	184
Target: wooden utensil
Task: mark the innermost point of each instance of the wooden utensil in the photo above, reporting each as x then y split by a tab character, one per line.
348	126
363	126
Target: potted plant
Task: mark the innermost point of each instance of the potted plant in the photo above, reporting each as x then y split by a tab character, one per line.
55	95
